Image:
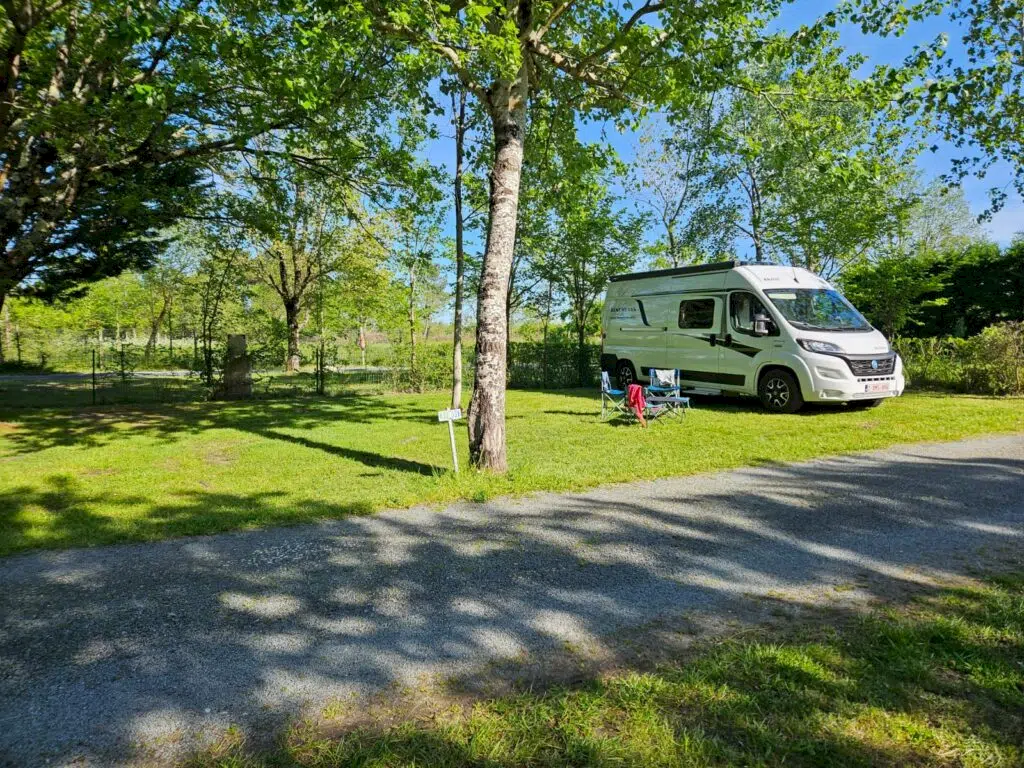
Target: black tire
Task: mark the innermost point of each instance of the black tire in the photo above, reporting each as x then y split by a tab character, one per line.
625	373
863	405
780	392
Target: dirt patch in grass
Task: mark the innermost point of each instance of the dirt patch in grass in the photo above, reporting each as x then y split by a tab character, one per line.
221	454
97	472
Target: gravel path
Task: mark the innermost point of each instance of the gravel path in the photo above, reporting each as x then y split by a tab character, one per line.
132	653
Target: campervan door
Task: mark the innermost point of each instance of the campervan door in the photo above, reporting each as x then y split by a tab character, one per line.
695	306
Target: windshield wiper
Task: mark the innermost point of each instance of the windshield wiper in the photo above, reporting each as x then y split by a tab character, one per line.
809	327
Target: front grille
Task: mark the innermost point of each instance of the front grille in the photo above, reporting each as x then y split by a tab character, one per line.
863	366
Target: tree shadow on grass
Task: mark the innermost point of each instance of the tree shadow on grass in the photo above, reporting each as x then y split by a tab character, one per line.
36	430
179	637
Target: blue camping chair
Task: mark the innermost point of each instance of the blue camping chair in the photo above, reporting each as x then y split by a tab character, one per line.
613	401
664	390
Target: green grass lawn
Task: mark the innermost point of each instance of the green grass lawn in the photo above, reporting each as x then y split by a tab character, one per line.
937	683
123	473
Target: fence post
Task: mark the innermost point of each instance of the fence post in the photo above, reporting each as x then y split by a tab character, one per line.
94	377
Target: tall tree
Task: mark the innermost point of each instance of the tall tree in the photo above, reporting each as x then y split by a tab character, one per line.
413	252
113	114
676	178
975	100
594	239
819	161
296	224
599	55
461	126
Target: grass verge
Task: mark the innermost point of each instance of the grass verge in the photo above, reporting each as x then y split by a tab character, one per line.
71	478
938	682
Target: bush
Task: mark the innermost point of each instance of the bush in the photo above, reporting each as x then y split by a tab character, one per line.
990	363
996	360
535	365
433	367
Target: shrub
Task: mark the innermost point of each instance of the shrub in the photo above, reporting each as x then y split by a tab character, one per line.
990	363
535	365
995	360
433	367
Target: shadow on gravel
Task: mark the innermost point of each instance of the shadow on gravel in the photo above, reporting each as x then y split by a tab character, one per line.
129	652
936	681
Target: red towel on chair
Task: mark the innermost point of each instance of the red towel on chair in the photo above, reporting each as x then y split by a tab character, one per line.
635	400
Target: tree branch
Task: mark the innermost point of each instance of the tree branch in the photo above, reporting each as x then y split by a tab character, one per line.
444	49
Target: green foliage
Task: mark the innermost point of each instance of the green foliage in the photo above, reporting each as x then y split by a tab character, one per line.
973	101
890	290
114	117
590	238
955	292
813	158
984	285
991	362
536	365
433	367
678	178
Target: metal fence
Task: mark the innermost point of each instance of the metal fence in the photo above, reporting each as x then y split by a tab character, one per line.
116	375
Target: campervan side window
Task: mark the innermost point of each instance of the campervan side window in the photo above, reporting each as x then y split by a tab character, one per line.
697	313
742	309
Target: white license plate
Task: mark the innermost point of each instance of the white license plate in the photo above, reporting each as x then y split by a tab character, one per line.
878	386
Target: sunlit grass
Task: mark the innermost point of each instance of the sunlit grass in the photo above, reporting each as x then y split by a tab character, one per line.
120	473
936	683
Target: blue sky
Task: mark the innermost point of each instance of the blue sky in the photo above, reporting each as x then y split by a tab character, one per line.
1010	219
1002	226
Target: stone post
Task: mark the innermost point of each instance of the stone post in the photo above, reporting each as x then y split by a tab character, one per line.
237	370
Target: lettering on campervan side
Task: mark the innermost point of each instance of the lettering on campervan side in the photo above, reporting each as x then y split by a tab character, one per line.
624	312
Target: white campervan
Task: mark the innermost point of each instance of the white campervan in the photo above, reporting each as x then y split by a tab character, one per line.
781	333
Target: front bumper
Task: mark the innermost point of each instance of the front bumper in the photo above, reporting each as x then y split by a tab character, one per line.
832	380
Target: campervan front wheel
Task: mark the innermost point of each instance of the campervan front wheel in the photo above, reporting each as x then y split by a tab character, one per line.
780	392
625	373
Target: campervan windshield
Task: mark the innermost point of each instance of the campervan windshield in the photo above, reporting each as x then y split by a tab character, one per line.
817	309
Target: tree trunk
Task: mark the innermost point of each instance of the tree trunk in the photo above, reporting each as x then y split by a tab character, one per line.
5	314
460	254
508	321
549	299
292	360
412	326
486	420
581	352
673	253
154	329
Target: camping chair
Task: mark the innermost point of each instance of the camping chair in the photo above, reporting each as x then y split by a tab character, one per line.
664	391
613	401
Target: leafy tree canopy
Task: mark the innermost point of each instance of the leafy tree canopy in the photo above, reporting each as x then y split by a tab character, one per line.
975	102
113	114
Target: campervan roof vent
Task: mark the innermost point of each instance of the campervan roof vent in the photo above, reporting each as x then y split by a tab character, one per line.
718	266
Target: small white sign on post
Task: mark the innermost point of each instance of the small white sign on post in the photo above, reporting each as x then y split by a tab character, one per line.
450	416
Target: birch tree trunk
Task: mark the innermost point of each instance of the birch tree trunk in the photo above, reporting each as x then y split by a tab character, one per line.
486	420
460	254
412	325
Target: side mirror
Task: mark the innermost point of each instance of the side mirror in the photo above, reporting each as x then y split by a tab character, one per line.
761	325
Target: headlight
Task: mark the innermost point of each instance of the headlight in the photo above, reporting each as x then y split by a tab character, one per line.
812	345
